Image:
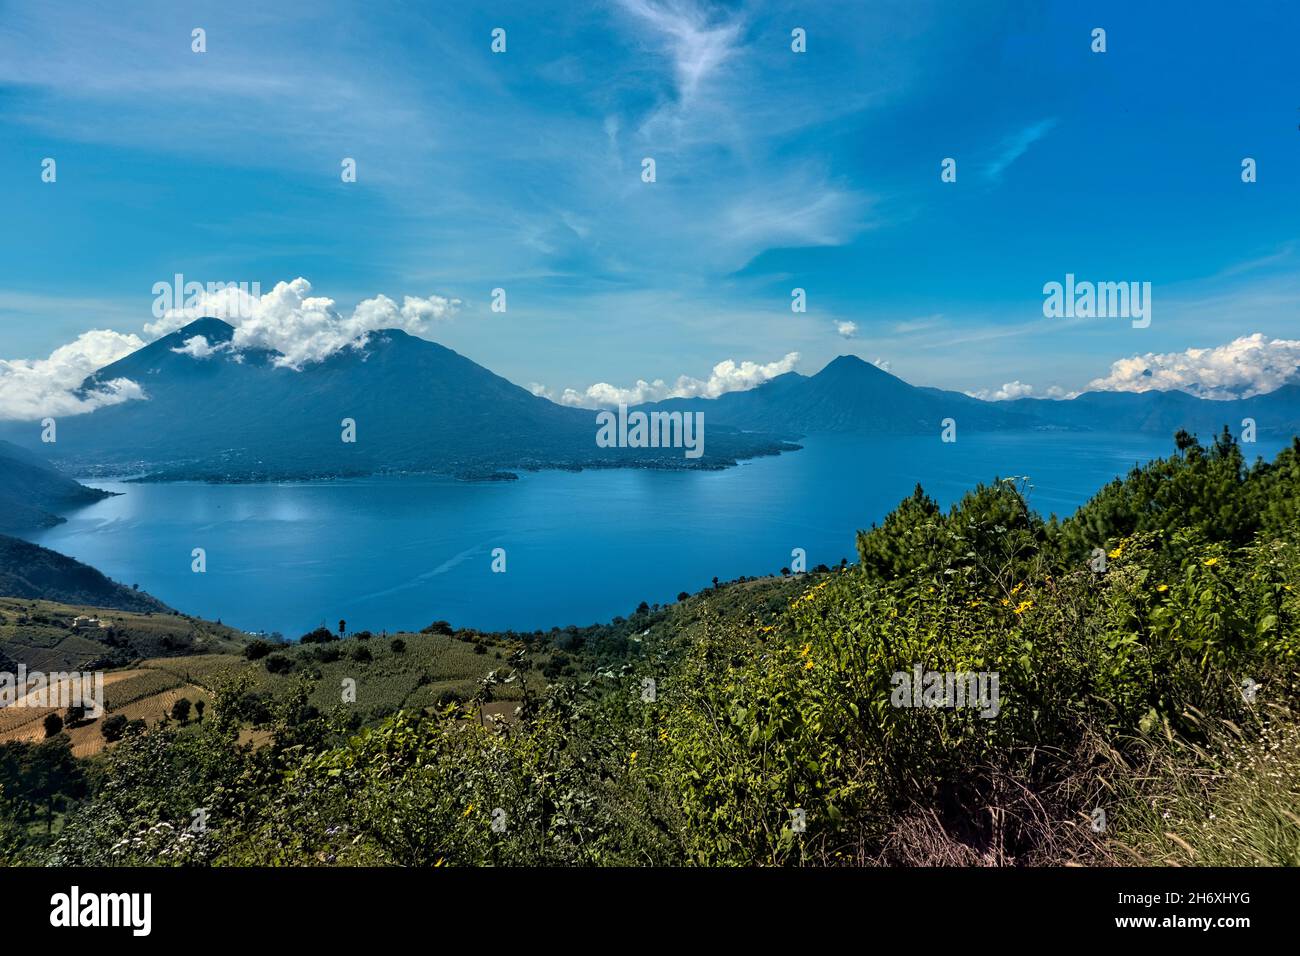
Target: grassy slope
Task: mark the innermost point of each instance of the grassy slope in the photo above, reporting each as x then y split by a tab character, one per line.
40	634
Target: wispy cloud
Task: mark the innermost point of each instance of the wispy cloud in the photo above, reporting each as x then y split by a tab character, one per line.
1016	146
696	46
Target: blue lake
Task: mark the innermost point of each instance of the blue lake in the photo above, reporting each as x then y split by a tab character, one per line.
397	553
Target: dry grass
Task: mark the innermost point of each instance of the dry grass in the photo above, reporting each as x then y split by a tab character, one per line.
1231	799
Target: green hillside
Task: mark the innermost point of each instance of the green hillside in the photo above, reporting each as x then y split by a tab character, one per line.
44	635
29	571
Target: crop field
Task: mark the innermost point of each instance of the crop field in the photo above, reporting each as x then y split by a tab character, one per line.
41	634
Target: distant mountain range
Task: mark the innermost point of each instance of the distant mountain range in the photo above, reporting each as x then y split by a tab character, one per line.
31	491
850	395
418	406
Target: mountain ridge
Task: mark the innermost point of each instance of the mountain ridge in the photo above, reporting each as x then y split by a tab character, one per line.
218	414
414	405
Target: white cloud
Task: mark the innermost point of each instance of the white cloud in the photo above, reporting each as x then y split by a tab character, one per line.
198	347
727	376
846	329
1251	365
301	327
304	328
1018	389
31	389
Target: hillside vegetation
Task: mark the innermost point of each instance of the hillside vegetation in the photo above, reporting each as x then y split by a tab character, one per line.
1145	650
29	571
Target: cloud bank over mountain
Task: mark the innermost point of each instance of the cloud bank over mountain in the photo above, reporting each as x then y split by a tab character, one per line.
34	388
301	327
1245	367
727	376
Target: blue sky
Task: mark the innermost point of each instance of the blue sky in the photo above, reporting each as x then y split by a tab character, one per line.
775	170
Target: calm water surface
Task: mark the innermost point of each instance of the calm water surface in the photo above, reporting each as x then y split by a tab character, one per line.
397	553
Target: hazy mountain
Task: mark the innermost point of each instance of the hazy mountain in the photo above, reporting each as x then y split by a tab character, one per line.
1163	413
31	491
417	407
29	571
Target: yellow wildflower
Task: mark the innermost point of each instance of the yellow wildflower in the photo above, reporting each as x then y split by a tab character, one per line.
1162	588
808	666
1210	562
632	758
1024	606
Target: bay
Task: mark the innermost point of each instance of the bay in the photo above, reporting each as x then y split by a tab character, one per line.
399	552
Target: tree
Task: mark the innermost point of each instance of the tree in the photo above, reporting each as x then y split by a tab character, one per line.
398	645
53	725
181	710
256	650
321	635
112	728
74	716
279	664
51	775
200	706
361	654
682	596
343	627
